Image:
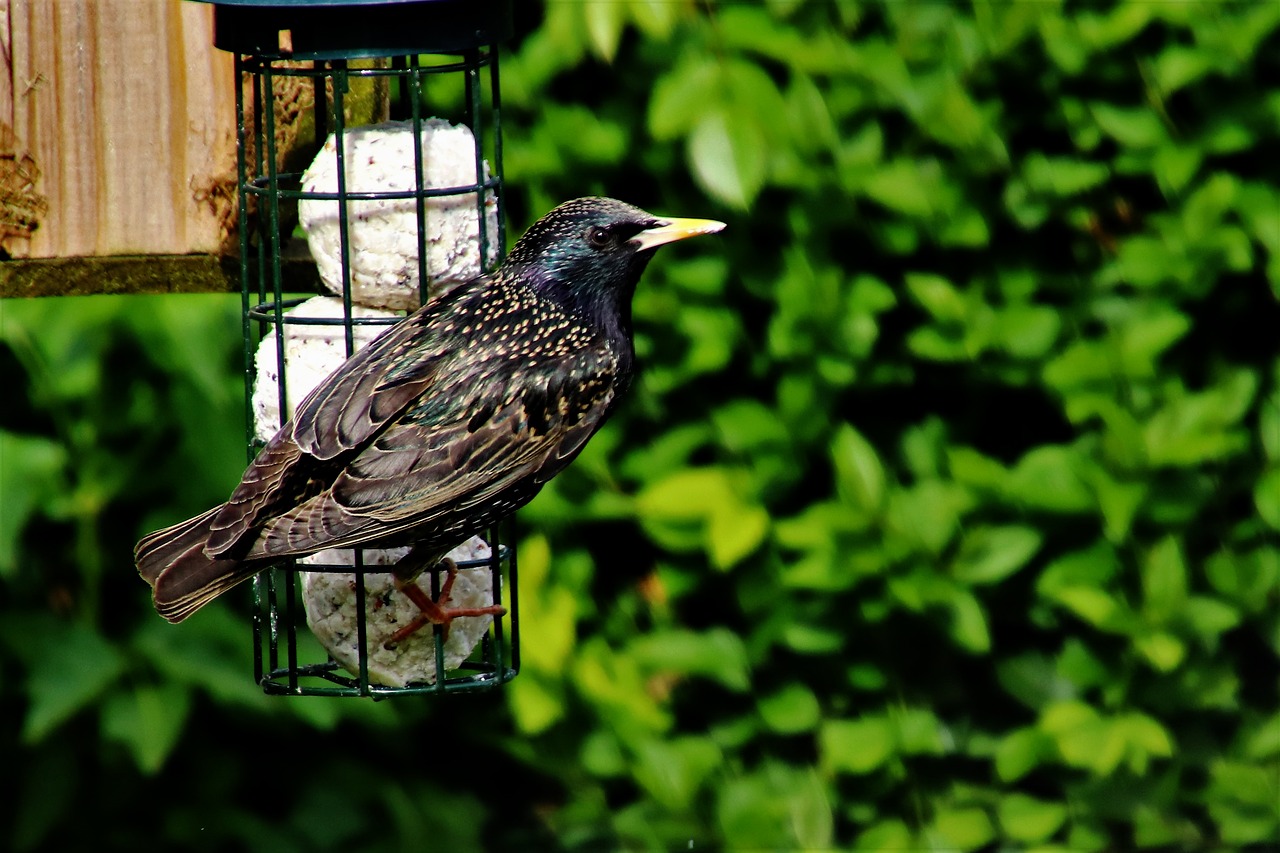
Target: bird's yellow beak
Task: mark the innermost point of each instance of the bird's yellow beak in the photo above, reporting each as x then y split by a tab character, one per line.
670	230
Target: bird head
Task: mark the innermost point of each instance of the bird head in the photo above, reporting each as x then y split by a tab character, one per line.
588	254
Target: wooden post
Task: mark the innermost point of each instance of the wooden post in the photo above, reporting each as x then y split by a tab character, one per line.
117	148
117	130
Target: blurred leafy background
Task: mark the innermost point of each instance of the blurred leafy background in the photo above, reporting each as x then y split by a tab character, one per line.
943	515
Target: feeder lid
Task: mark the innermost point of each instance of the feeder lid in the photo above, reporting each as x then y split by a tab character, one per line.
352	29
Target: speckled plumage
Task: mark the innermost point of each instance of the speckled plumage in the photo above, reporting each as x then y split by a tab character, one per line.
442	426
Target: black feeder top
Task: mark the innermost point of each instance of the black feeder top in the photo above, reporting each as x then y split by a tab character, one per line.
354	29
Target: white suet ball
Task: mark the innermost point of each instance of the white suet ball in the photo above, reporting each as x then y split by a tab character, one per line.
311	353
383	234
330	602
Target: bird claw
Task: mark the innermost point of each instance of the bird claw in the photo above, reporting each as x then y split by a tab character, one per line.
436	612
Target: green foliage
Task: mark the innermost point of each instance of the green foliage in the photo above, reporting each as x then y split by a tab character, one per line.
942	516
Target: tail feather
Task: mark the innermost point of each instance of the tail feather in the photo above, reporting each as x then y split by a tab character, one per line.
183	577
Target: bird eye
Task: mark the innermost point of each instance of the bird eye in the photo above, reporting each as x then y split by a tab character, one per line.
598	237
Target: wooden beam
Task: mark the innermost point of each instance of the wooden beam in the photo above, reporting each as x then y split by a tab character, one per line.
141	274
125	113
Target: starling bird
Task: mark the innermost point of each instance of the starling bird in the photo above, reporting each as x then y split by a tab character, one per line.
447	423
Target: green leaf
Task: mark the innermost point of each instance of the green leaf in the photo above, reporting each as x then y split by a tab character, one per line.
859	153
903	186
991	554
717	654
148	720
30	474
1242	801
955	118
1178	66
535	703
971	468
1078	665
1175	165
917	731
938	296
1145	337
1162	650
727	154
1094	606
207	652
734	533
1028	331
966	227
655	17
1062	176
926	515
962	828
1115	26
1145	261
750	811
1094	566
969	623
679	97
552	611
1203	211
1062	42
1266	497
68	667
1132	127
1147	738
934	344
688	494
1245	578
615	684
811	121
744	425
778	806
1118	501
886	835
1084	739
1029	820
860	479
1047	477
1264	741
1164	581
1195	427
591	137
1209	618
826	569
604	24
672	771
1033	680
1080	364
602	754
1020	752
811	640
791	710
855	746
808	808
867	677
1153	829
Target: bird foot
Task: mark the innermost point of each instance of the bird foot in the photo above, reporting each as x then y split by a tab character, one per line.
436	612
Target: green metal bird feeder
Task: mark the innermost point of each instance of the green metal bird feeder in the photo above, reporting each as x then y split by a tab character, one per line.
369	169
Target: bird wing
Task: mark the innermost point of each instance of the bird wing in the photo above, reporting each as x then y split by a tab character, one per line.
478	446
373	387
339	415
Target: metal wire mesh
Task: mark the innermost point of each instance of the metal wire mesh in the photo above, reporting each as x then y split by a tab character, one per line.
288	661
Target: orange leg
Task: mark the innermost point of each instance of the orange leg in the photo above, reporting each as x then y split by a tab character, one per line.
435	612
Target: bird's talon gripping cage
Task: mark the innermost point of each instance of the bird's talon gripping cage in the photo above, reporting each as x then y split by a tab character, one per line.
328	70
